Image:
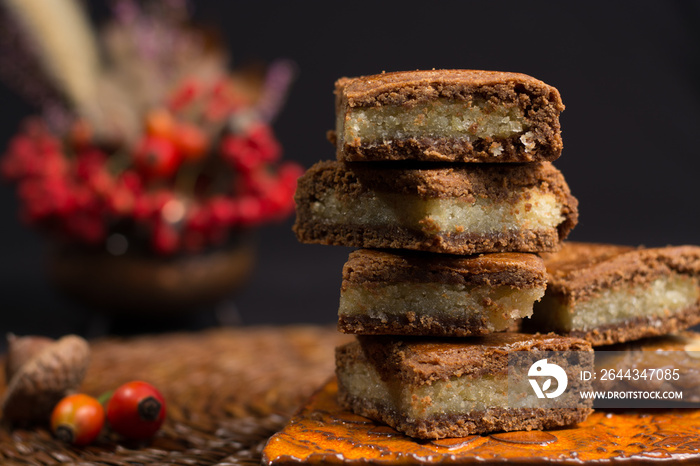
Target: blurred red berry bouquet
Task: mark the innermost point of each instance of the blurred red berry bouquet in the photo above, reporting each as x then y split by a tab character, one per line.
146	140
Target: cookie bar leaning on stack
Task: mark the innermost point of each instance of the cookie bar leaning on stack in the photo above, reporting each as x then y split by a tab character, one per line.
610	294
447	116
457	208
412	293
435	388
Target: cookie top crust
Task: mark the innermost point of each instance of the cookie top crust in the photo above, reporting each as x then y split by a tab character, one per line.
579	270
495	181
404	87
519	270
419	360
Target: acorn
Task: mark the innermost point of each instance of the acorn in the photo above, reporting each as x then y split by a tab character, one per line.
40	372
20	350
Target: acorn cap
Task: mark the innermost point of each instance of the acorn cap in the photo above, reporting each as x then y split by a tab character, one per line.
44	379
20	350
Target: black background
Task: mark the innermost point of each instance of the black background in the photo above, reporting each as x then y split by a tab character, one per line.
628	72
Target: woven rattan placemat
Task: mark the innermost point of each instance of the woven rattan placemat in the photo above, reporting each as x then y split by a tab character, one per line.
227	391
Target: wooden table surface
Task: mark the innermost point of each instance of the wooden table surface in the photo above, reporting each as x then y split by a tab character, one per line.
227	391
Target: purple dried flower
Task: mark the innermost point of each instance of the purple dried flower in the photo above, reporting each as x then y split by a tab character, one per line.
126	12
278	79
155	31
57	117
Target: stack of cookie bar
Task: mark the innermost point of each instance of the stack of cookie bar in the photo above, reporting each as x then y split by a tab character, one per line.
444	180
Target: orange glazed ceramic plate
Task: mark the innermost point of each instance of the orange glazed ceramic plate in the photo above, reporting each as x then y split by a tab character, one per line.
323	432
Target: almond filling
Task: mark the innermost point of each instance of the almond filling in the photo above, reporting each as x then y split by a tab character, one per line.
532	211
662	297
499	306
441	118
458	395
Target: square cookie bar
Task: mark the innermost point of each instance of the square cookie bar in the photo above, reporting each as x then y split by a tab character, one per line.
447	116
410	293
456	209
436	388
611	294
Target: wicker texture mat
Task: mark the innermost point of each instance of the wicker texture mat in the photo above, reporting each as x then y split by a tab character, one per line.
227	392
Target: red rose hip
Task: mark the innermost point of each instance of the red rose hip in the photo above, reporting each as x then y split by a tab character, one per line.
191	141
158	157
77	419
136	410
